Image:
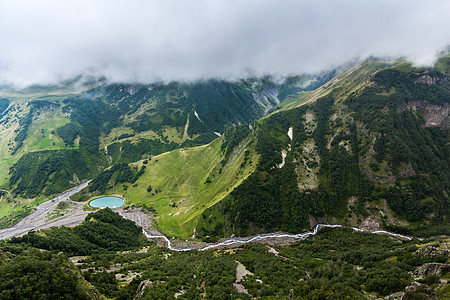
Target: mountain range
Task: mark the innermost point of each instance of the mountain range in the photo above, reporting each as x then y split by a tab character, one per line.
366	147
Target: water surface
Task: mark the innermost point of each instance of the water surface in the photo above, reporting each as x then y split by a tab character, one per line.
107	201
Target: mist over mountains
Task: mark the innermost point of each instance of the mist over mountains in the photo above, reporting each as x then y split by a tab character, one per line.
45	42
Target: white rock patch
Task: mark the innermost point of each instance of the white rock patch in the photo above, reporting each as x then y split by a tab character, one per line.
290	133
196	115
283	157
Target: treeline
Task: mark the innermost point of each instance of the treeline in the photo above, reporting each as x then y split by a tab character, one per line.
12	218
337	263
118	173
101	231
219	104
4	103
50	172
418	157
127	151
25	123
232	137
89	118
269	199
23	131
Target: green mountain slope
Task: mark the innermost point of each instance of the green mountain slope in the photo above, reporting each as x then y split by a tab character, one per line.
376	156
369	149
179	185
372	153
51	141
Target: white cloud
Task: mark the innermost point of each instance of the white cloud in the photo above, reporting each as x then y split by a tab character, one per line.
43	41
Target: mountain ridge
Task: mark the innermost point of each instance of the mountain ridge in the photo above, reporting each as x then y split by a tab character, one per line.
295	151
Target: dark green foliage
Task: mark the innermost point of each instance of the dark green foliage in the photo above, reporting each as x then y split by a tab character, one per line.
105	282
118	173
269	199
252	205
22	135
407	204
26	122
68	133
336	263
404	142
50	172
232	137
387	280
293	84
417	156
127	152
35	274
323	109
89	118
4	103
101	231
219	104
43	104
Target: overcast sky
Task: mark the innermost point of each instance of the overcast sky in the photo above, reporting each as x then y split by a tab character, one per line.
43	41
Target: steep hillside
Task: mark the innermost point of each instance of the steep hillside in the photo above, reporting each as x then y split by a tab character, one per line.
178	186
52	141
372	153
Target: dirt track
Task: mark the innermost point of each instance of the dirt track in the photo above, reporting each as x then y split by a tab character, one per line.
39	219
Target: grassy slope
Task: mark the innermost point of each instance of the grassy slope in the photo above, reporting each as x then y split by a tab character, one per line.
35	141
346	82
181	177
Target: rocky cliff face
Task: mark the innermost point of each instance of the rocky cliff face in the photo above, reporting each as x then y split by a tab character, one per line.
438	269
430	79
434	115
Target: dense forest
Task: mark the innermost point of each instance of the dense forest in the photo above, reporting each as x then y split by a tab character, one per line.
101	231
375	144
334	264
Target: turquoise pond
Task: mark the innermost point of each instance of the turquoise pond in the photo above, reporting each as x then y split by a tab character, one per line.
107	201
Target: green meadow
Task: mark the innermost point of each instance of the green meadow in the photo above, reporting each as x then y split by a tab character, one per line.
184	183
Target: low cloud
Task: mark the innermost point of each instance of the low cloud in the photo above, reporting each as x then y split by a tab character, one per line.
46	41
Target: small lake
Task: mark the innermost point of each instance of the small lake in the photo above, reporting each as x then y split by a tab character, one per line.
107	201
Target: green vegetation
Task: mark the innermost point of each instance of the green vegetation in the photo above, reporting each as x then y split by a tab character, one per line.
14	217
381	133
50	172
101	231
184	183
332	140
35	274
336	263
115	124
119	173
4	103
